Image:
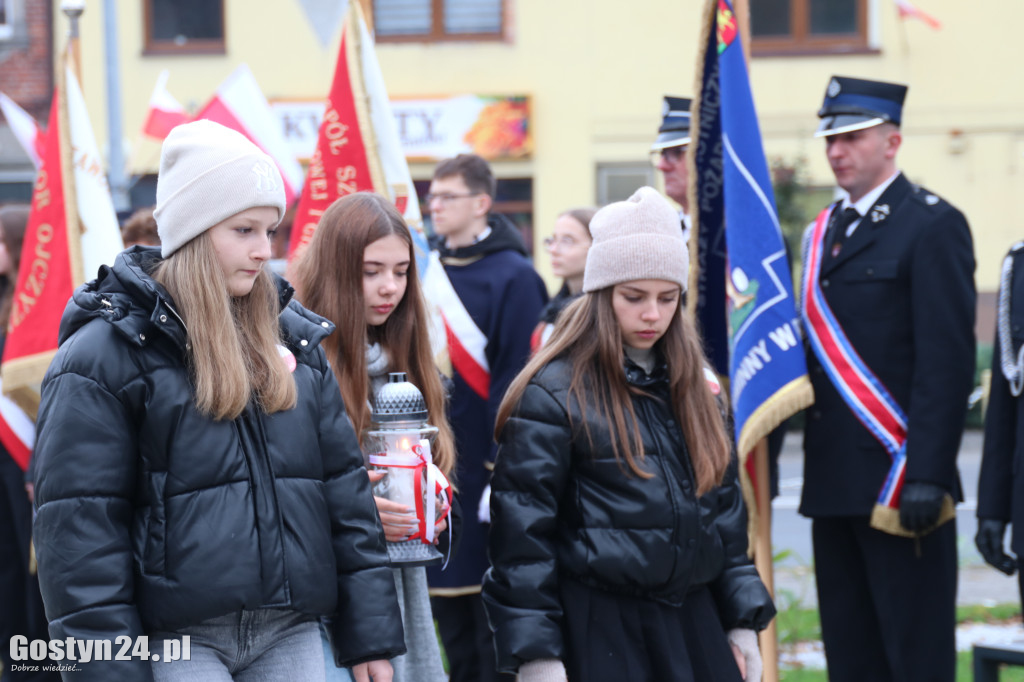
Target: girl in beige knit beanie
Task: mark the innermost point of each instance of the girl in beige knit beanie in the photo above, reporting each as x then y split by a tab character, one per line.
618	533
199	482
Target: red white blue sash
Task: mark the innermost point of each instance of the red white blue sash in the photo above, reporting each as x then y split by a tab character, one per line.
862	391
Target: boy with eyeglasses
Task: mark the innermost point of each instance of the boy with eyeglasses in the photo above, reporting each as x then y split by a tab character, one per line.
500	298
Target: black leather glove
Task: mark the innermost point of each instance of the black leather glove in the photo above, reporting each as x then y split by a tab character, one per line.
920	504
990	544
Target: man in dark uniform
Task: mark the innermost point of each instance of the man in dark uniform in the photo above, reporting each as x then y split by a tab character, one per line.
668	154
888	305
1001	482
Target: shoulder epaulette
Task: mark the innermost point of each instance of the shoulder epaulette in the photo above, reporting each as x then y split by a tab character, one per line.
926	197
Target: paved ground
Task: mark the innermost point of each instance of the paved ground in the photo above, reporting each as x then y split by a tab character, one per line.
794	575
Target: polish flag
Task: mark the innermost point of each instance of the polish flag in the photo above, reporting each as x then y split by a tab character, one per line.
25	128
239	104
165	112
908	10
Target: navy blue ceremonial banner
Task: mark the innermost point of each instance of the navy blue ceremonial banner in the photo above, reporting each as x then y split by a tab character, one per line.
767	368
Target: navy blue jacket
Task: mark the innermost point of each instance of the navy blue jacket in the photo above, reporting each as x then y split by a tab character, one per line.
902	289
1001	482
504	295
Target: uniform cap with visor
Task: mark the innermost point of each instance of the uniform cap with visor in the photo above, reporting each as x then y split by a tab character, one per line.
855	104
675	124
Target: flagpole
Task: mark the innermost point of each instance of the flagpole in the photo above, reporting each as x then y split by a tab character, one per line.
73	9
768	639
67	164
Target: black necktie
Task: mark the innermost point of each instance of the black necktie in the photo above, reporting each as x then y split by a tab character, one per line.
837	231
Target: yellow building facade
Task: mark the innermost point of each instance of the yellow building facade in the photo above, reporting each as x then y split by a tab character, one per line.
595	71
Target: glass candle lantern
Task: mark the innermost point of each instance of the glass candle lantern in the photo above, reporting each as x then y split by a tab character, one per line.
399	442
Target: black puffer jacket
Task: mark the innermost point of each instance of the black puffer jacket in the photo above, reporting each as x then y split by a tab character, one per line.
562	508
152	516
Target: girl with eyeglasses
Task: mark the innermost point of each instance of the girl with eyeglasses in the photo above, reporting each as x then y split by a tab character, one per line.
567	246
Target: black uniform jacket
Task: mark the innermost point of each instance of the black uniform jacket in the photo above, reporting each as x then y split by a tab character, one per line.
153	516
562	506
1001	482
902	289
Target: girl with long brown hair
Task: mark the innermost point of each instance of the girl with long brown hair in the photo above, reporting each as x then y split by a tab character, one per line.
360	269
618	533
198	480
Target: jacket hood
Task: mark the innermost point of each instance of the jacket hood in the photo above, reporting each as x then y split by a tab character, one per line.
504	236
127	297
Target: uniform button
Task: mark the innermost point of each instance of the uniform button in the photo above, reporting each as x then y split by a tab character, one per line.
824	283
871	272
325	324
163	318
686	485
304	342
142	337
670	422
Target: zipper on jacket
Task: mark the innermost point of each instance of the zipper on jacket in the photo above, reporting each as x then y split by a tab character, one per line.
269	528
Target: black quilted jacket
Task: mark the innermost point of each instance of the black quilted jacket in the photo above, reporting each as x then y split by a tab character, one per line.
152	516
563	508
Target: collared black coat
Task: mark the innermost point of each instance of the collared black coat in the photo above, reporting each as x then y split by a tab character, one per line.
561	506
902	289
1001	482
153	516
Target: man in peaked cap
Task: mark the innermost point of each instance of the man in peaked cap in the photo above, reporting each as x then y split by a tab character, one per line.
890	277
668	153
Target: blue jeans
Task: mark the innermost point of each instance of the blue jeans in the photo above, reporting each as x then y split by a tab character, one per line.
267	645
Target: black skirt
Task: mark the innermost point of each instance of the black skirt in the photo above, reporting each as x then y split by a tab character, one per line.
611	637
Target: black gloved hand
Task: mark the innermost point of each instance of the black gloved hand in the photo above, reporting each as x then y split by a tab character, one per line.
920	504
990	544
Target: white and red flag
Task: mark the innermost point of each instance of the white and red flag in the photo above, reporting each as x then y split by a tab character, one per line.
358	149
239	104
25	128
72	229
908	10
165	112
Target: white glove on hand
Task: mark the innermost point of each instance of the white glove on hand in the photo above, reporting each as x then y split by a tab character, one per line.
744	646
543	670
483	512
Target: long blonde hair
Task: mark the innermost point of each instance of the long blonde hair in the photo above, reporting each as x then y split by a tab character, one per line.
232	354
588	334
328	276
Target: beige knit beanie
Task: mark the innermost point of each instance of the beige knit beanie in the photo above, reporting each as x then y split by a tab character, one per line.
640	238
208	173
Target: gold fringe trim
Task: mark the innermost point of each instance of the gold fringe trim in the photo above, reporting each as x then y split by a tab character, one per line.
784	403
454	591
887	519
